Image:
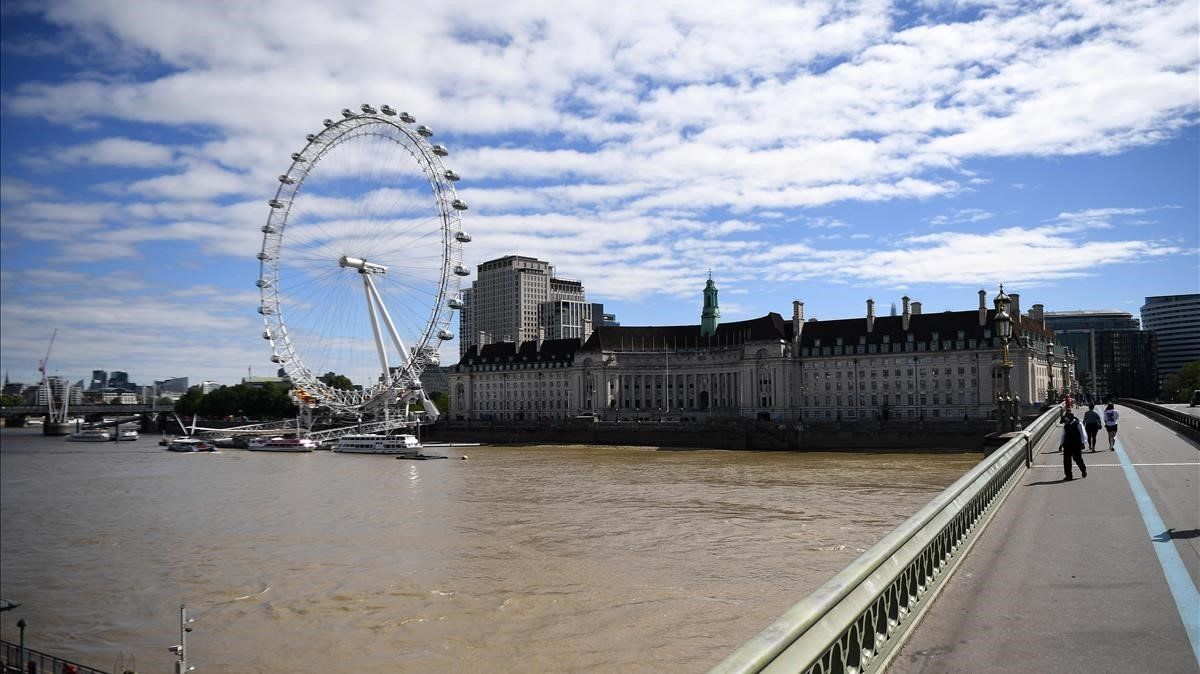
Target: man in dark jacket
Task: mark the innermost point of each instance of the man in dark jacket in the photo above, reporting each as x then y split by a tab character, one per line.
1072	444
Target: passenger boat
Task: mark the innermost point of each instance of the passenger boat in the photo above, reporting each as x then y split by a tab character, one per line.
90	435
370	443
130	434
282	445
190	445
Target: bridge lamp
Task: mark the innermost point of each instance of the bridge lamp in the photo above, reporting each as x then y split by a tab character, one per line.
1053	393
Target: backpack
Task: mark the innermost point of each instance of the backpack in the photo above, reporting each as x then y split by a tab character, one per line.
1073	438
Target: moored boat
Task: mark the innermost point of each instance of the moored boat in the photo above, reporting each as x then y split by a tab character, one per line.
130	435
283	445
90	435
370	443
190	445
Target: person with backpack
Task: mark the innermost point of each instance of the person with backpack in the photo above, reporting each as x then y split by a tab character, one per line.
1072	445
1091	424
1110	424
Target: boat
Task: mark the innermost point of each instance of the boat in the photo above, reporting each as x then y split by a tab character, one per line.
90	435
130	434
282	445
257	443
370	443
190	445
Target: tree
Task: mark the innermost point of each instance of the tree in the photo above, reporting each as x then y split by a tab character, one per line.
338	381
188	404
441	400
7	399
1178	387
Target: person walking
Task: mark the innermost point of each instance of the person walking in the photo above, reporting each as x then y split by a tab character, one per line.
1091	424
1072	446
1110	424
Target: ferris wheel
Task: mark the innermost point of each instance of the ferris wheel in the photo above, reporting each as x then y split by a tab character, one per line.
361	262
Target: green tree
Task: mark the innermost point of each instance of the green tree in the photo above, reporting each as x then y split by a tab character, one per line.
189	403
338	381
7	399
1178	387
442	400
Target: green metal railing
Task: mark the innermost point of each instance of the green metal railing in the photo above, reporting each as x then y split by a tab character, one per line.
1187	423
854	622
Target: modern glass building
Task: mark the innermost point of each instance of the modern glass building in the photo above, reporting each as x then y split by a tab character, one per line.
1175	321
1115	357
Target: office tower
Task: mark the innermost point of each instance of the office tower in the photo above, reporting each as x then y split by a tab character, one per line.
1115	357
1175	321
99	380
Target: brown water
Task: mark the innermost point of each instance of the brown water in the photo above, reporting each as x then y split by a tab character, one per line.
520	559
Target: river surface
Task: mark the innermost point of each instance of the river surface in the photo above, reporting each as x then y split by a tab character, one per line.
520	559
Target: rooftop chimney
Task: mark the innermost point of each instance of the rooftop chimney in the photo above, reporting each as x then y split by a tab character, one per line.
916	308
1014	308
1038	313
870	316
541	337
797	320
907	312
982	308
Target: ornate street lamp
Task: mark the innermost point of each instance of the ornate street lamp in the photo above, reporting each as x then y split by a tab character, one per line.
1052	393
1006	402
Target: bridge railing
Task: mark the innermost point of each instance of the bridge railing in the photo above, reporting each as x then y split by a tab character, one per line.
36	661
1190	424
856	620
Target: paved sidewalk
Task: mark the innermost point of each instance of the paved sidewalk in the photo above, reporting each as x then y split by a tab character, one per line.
1070	577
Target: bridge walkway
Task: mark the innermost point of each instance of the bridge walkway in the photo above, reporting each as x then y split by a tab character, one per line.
1078	576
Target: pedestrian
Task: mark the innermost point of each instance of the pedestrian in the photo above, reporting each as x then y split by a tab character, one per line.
1067	403
1072	446
1091	424
1110	424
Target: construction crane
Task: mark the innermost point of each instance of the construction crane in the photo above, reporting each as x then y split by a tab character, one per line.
54	416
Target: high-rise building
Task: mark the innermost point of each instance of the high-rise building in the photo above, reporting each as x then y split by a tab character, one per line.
1175	321
173	385
99	380
207	387
516	299
1115	357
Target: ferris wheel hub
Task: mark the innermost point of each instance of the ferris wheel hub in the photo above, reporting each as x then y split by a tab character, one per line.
362	265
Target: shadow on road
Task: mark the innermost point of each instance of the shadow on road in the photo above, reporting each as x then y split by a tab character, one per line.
1171	534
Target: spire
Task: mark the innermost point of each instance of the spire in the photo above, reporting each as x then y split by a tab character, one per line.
711	315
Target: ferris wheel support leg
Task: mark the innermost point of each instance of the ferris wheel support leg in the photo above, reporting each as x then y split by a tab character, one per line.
383	361
387	321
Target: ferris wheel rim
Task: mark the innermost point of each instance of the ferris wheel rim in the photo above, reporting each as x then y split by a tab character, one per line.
436	325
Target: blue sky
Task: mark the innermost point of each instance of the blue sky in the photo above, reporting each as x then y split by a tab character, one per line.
822	151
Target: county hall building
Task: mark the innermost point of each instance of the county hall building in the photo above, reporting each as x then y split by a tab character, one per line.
942	366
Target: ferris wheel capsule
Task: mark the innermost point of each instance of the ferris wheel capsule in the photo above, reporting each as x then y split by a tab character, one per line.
327	122
462	237
297	157
275	203
455	303
424	131
286	179
460	270
348	113
450	175
445	335
368	109
387	110
262	283
405	117
459	204
441	151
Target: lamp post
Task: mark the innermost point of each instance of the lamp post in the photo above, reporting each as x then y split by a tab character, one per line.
1006	402
21	656
1052	393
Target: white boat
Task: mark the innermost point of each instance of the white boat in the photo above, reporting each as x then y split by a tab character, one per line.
128	435
257	443
190	445
90	435
371	443
282	445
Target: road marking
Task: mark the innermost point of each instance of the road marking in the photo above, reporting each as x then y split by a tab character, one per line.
1187	599
1113	465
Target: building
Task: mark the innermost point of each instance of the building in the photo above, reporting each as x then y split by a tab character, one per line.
943	366
172	385
58	387
1115	357
207	386
1175	321
516	299
600	318
98	381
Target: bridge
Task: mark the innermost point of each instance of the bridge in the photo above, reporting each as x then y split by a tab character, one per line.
84	410
1014	569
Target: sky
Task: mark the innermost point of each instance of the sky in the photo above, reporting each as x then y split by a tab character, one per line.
829	152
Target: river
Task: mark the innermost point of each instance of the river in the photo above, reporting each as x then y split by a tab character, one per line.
519	559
